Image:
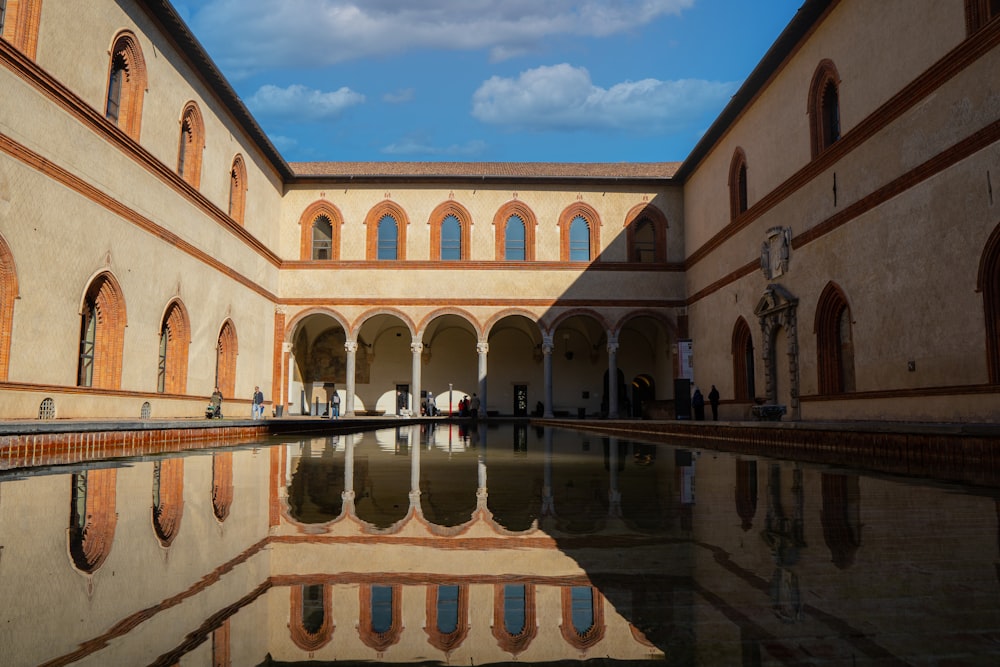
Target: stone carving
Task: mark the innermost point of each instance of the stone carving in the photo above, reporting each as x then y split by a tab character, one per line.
775	251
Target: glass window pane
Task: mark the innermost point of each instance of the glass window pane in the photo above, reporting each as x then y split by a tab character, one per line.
513	609
514	239
322	247
645	241
451	238
387	238
381	609
579	240
447	609
582	608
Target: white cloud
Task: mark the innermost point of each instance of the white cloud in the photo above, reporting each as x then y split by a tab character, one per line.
253	35
562	97
302	103
421	146
399	96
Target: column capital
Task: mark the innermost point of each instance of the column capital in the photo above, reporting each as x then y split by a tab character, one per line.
612	346
351	346
416	348
482	348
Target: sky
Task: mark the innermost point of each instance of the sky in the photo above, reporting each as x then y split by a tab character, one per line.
486	80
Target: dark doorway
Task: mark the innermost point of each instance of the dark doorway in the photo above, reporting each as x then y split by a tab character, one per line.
520	400
402	398
643	394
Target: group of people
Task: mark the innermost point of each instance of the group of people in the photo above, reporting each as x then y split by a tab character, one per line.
469	407
698	404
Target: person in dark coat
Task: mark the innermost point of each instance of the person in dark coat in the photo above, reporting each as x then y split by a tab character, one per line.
698	404
713	398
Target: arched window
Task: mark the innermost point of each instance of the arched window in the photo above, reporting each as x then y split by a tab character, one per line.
102	334
824	107
237	189
168	499
222	484
450	227
989	285
386	236
92	517
175	337
19	24
980	12
447	610
514	623
381	620
582	616
738	184
834	345
322	238
320	224
191	145
225	360
8	294
579	228
743	366
311	623
646	234
515	224
126	84
513	239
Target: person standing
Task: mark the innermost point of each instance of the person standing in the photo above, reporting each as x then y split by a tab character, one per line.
335	405
698	404
713	399
257	409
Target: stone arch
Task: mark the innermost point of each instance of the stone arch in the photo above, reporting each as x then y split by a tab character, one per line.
446	642
824	107
648	214
292	324
657	315
834	344
776	310
307	221
449	310
175	327
573	312
514	643
593	220
594	634
989	284
382	310
520	210
372	220
238	189
191	145
93	517
438	215
225	359
8	294
380	641
127	82
509	312
102	333
738	193
168	499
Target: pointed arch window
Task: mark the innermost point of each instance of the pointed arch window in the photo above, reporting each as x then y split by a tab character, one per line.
515	225
93	518
8	294
225	360
175	337
311	616
450	230
738	201
743	362
646	234
582	616
237	189
644	243
386	235
168	499
447	616
989	285
320	223
834	344
102	333
579	228
191	145
824	107
126	84
380	624
514	623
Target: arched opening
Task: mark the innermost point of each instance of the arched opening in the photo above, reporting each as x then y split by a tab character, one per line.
8	294
175	338
447	614
514	623
225	360
515	365
989	285
449	361
514	225
102	334
222	484
582	616
579	364
834	342
92	518
744	388
320	365
311	616
579	229
126	84
738	199
191	145
168	499
643	395
824	107
381	620
237	189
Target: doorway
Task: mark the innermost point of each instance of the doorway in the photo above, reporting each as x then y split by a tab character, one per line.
520	400
402	398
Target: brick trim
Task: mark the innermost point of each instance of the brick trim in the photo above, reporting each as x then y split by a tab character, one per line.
989	284
226	360
527	216
824	76
191	144
301	637
177	326
830	355
105	296
595	633
168	514
439	640
90	545
125	46
593	220
379	641
435	221
8	294
375	215
508	642
739	197
238	189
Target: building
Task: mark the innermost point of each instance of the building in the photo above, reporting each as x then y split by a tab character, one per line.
831	245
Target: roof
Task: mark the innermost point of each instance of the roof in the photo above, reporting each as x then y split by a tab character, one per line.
488	170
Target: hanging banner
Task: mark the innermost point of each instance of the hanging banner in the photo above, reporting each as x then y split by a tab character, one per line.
685	360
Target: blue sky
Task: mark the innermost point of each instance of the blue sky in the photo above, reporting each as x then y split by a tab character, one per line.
486	80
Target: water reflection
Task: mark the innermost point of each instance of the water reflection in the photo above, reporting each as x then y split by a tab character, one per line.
484	546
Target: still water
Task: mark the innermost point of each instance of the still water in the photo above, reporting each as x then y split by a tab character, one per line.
439	545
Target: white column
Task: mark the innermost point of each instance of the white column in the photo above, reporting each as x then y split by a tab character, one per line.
482	348
351	346
547	372
413	438
614	494
612	377
286	347
417	349
348	494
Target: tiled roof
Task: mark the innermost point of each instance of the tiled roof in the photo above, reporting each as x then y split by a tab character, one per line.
601	170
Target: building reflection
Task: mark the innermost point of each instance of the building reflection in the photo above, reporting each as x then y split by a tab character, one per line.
472	546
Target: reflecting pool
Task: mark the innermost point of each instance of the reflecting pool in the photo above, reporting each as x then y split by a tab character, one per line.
432	545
